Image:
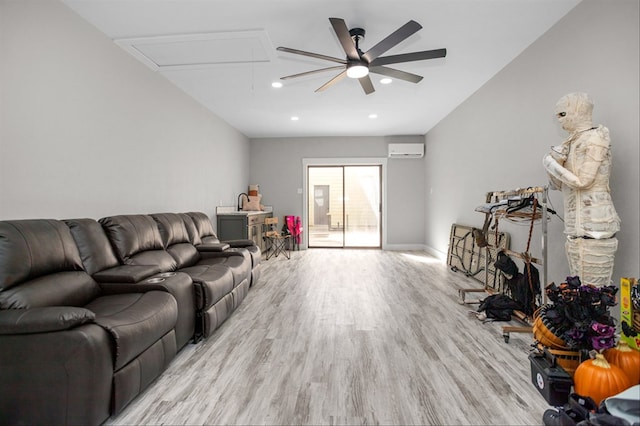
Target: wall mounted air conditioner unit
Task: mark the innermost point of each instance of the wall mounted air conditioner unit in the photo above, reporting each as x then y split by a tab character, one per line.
406	150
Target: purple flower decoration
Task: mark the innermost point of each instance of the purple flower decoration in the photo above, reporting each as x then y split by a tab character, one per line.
602	330
600	343
575	334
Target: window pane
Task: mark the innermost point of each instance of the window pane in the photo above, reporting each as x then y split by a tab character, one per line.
325	207
362	206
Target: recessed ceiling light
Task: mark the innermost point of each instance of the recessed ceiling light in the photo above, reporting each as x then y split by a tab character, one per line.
386	80
373	115
276	84
294	118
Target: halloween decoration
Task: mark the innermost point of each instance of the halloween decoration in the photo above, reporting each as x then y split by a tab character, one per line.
580	167
579	315
598	379
627	359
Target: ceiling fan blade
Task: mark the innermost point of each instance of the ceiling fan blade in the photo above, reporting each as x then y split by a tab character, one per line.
340	27
366	84
312	55
333	81
409	57
392	39
302	74
392	72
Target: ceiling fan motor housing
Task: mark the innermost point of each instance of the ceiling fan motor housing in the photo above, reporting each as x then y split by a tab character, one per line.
357	34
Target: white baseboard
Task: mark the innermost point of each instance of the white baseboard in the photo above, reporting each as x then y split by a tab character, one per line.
436	253
405	247
410	247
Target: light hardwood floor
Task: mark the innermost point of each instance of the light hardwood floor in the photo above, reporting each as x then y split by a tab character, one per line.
348	337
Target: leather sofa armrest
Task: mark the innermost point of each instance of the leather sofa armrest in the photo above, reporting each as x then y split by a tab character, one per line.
240	243
126	273
42	320
158	282
212	247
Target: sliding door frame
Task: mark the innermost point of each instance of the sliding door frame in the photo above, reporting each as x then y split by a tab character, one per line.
306	162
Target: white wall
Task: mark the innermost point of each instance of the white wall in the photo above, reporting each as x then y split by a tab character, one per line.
276	165
88	131
496	139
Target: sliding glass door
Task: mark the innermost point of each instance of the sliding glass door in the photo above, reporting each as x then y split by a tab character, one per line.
344	206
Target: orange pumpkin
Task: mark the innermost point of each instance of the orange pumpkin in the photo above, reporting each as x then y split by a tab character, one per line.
599	379
627	359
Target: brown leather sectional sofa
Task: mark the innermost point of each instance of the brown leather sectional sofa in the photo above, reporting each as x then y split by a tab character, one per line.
91	312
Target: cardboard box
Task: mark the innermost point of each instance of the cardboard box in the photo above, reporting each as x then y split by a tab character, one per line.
630	311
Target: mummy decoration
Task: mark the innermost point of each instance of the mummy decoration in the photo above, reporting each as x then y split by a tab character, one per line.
580	168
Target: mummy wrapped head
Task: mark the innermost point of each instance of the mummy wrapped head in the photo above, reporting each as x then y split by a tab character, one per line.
574	112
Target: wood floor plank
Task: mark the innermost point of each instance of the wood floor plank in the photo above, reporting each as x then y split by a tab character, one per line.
342	337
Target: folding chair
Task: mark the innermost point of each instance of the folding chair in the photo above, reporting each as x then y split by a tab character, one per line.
295	229
276	242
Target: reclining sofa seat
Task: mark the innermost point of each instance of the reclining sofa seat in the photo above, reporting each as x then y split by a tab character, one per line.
71	355
136	240
201	233
177	241
101	263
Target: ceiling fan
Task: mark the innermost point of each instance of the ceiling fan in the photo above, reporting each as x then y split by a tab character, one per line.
359	64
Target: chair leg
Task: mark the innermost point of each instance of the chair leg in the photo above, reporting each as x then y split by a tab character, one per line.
270	248
286	247
278	245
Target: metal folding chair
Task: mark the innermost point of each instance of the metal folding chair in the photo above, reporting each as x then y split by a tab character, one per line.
276	242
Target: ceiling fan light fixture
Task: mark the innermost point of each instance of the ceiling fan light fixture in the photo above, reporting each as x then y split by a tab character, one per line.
357	70
357	63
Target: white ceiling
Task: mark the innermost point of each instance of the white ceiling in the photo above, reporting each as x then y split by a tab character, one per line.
223	54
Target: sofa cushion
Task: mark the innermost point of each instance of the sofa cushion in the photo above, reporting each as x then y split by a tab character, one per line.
72	288
239	262
132	234
176	238
33	248
255	253
194	235
203	226
135	320
94	246
212	283
185	254
172	228
160	258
